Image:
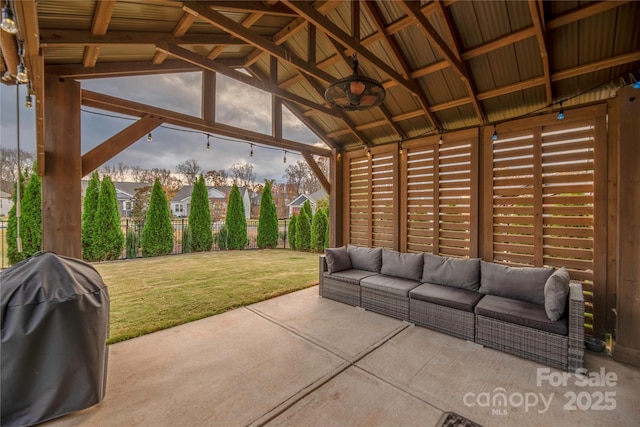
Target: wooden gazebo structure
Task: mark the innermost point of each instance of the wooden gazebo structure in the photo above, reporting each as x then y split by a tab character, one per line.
421	172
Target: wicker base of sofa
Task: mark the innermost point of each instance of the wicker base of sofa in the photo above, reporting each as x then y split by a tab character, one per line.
385	303
443	319
539	346
341	291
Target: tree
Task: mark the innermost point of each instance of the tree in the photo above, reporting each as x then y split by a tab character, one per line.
118	172
292	231
108	240
306	206
32	215
236	223
190	169
217	178
268	220
89	208
132	242
319	227
9	163
303	232
200	218
243	175
157	234
296	174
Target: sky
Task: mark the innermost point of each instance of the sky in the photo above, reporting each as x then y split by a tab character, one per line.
237	104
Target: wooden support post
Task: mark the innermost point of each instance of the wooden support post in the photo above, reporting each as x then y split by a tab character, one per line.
208	95
626	346
336	207
61	189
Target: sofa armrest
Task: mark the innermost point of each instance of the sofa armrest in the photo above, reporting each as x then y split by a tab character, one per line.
322	269
576	326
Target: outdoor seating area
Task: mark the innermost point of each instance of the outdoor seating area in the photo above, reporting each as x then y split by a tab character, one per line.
534	313
300	359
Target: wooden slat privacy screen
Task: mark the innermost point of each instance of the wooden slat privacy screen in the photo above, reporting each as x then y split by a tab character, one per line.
537	196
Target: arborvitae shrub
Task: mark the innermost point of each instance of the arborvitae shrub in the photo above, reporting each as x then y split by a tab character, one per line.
306	206
221	238
319	227
31	222
187	240
235	221
268	220
200	218
108	240
157	234
132	243
293	228
89	209
12	227
303	232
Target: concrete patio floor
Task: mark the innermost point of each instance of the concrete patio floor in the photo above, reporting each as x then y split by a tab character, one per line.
301	360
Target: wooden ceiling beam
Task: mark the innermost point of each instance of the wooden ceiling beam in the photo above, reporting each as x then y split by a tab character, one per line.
232	27
101	19
73	38
537	16
117	143
291	30
136	109
119	69
247	23
179	30
584	12
337	34
537	81
317	171
456	49
499	43
207	64
592	67
255	7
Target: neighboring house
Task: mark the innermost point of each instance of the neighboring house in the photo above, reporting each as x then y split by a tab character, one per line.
296	204
218	200
5	203
125	194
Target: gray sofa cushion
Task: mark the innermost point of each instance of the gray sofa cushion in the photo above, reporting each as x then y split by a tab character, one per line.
457	272
352	276
369	259
392	285
521	283
556	290
337	259
520	313
404	265
460	299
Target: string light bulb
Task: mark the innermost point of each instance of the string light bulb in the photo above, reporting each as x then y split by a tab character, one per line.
635	83
561	113
284	160
251	152
149	137
401	149
440	141
28	102
208	143
8	23
21	75
494	137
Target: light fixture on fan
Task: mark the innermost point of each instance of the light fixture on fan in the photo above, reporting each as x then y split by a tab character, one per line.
355	92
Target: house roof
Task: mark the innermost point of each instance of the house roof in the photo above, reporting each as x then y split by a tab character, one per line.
445	65
299	201
124	189
215	192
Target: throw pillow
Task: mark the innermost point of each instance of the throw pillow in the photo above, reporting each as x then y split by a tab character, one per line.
369	259
404	265
456	272
556	290
337	259
521	283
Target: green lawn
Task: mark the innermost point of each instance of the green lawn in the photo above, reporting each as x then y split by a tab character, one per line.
157	293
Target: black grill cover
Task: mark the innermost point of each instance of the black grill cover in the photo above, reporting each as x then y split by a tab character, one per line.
55	322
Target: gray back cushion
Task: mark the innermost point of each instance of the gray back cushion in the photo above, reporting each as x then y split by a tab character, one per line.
337	259
403	265
556	290
455	272
521	283
369	259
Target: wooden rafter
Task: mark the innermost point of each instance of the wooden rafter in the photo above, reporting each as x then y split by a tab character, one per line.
120	69
584	12
247	23
232	27
179	30
456	49
117	143
207	64
337	34
136	109
101	19
592	67
537	16
275	8
74	38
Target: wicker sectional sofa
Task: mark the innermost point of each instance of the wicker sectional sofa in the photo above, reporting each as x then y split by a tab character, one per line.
534	313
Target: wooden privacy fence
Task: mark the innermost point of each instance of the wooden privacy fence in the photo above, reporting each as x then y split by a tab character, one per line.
536	196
